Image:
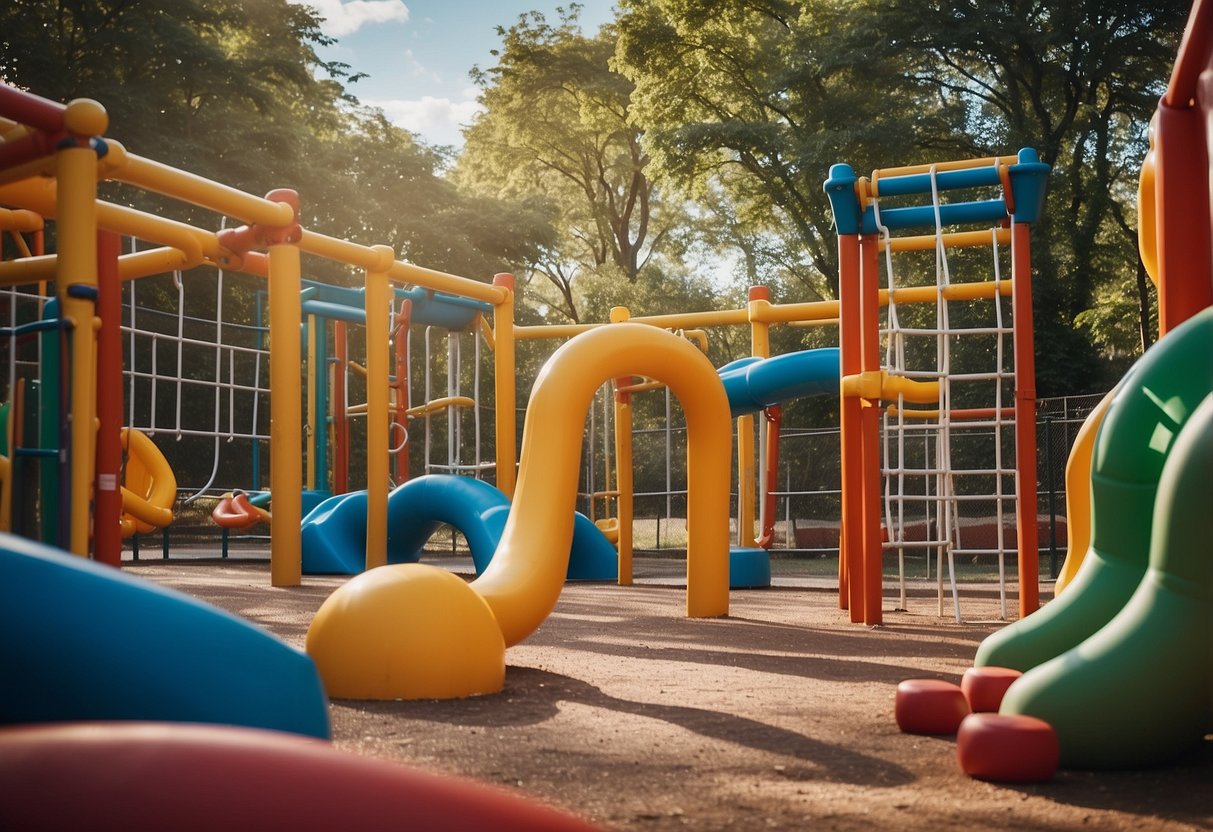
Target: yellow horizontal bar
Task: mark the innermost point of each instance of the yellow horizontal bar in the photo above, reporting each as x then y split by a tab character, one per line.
878	384
693	320
130	266
763	311
917	392
954	291
43	168
822	322
641	387
40	195
955	239
343	251
439	404
442	282
20	219
959	164
194	242
197	190
27	270
365	257
152	261
537	333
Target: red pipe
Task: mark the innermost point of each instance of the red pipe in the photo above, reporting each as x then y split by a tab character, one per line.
1025	420
1193	58
29	147
850	535
32	110
774	417
107	509
873	542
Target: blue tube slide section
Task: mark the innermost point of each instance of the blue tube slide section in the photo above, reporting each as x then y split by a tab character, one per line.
756	383
85	641
334	533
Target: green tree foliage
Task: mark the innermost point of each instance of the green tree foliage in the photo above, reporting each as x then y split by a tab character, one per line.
234	91
557	133
1078	81
747	104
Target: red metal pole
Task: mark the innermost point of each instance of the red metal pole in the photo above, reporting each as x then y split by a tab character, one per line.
32	110
774	417
850	533
873	545
1025	420
107	502
1182	212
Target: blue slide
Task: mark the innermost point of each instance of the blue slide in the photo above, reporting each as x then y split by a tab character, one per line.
334	533
83	641
753	384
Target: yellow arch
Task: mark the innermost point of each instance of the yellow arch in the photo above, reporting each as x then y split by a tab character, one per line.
524	579
448	638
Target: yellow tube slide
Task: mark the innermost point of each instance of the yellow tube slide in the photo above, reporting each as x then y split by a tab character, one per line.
524	579
408	631
150	487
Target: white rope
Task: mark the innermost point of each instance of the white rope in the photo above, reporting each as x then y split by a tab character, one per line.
428	398
895	361
130	418
998	424
949	518
454	433
476	396
180	339
218	382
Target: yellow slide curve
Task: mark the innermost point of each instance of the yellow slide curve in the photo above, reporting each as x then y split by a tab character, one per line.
412	631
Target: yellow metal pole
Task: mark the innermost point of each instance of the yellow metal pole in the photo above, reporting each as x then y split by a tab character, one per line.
286	442
749	491
309	429
378	301
503	335
76	283
623	480
745	481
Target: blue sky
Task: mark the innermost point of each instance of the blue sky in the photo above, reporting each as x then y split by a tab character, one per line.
418	53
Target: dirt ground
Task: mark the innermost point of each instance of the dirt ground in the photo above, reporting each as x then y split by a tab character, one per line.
779	716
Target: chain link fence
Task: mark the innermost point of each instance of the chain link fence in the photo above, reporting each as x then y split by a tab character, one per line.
807	498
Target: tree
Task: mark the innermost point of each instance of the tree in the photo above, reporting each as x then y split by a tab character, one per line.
1078	81
755	100
556	132
235	92
750	102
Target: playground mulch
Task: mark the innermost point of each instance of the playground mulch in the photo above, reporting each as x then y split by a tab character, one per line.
778	717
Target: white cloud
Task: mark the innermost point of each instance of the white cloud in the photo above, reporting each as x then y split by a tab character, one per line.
342	18
420	70
436	120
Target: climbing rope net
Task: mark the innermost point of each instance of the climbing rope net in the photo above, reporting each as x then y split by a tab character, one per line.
948	471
